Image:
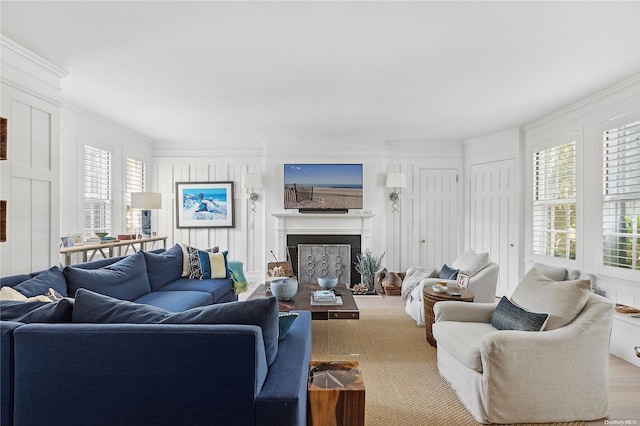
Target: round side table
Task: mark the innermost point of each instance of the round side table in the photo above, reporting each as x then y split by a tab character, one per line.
429	298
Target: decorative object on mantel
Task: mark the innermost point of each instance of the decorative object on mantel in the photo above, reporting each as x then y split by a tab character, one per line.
395	181
624	309
367	265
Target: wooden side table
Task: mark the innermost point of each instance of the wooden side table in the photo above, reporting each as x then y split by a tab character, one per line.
429	298
335	394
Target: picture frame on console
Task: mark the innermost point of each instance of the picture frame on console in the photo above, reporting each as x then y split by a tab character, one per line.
204	204
463	281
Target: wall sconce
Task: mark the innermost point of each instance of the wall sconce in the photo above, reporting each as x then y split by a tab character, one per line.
146	201
395	181
251	182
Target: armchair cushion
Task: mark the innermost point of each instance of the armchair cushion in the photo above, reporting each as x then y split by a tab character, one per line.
562	300
463	340
508	316
556	273
471	262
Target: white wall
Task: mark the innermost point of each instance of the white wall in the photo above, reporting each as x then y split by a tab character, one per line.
585	121
80	128
30	177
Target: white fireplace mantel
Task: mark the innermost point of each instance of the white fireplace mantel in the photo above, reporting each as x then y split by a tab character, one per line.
323	224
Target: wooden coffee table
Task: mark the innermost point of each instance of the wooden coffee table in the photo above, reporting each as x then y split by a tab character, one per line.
302	301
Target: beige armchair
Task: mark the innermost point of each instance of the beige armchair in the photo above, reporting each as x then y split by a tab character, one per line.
482	282
513	376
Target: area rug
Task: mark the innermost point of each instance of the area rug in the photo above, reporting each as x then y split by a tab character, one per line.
403	386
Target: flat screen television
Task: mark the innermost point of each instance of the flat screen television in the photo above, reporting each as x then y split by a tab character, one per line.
323	187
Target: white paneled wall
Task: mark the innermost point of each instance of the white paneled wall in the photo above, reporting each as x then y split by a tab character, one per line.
244	241
30	178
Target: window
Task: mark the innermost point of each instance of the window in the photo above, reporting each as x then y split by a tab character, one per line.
554	201
621	196
97	191
135	183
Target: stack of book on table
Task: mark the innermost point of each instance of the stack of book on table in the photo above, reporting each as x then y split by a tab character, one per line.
325	297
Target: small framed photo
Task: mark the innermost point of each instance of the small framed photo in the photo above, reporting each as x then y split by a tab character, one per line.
76	239
463	280
204	204
66	242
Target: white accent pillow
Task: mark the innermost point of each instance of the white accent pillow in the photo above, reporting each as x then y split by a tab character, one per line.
562	300
556	273
471	262
9	293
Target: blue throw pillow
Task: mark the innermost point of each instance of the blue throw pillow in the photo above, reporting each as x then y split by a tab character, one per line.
165	267
41	312
285	321
126	279
508	316
40	284
448	273
96	308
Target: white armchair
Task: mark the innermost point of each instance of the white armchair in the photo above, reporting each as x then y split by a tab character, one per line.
513	376
482	282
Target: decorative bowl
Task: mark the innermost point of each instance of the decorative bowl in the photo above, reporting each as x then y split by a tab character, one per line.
284	288
328	282
439	288
101	234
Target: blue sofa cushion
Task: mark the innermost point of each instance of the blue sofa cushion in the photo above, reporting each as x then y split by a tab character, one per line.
217	288
508	316
40	284
176	301
42	312
126	279
163	268
91	307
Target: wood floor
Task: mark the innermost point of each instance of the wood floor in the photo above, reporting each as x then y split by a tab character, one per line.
624	387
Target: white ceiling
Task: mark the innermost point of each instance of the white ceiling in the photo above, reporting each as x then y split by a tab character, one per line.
247	72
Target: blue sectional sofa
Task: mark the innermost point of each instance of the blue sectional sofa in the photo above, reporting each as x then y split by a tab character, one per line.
105	360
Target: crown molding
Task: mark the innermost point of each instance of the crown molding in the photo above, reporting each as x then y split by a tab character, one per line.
31	57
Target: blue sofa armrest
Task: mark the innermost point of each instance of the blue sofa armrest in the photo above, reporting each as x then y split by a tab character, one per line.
7	329
137	374
283	398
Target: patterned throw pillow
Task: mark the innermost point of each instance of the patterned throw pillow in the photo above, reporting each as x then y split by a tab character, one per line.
186	260
206	265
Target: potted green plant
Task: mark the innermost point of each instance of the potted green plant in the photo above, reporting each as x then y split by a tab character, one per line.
367	264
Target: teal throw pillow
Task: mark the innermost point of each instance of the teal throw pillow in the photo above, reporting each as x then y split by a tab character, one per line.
285	321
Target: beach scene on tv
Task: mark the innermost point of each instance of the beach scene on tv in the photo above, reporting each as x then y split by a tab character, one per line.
323	186
204	204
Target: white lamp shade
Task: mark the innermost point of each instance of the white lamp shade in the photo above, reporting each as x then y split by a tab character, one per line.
396	180
146	200
251	181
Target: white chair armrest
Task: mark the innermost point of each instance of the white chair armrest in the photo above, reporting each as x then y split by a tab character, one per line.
452	310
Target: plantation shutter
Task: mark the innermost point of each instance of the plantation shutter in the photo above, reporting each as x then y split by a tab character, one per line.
621	196
554	202
135	183
97	191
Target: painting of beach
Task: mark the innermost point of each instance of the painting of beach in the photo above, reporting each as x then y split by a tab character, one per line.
323	186
204	204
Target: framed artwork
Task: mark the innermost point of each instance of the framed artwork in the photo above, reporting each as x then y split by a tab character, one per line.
463	281
76	239
66	242
204	204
